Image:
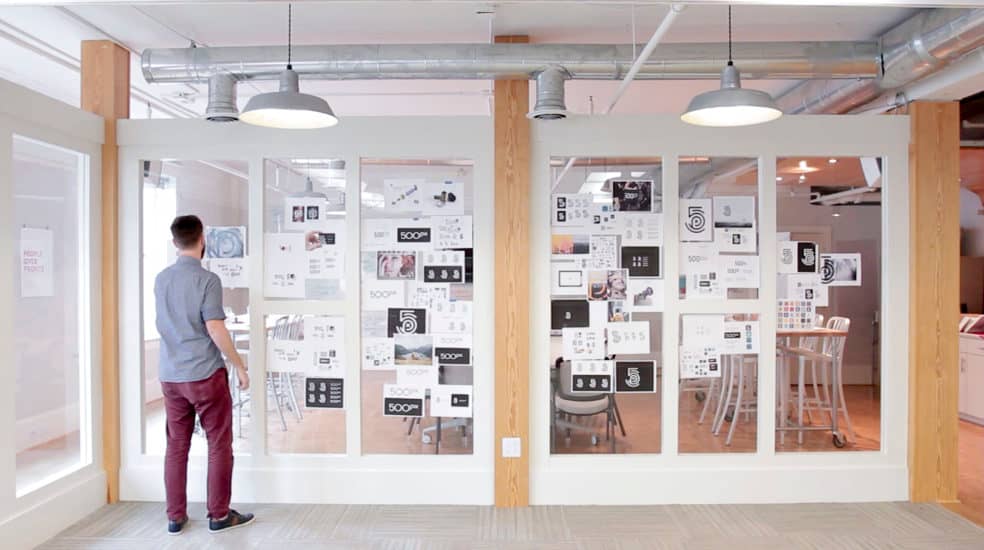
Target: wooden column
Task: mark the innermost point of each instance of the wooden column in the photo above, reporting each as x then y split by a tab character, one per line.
106	92
512	289
934	180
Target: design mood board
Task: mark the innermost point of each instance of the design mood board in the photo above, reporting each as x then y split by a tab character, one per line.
417	309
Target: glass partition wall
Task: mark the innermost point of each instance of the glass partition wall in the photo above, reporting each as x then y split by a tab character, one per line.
607	290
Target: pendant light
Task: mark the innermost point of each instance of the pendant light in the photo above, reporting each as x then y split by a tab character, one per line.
731	105
288	108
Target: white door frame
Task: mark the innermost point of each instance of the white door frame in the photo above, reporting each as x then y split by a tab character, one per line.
763	476
344	478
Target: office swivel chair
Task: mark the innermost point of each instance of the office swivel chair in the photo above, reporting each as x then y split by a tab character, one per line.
565	404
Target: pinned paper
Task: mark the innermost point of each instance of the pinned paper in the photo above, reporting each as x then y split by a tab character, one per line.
451	401
702	270
740	272
734	224
403	400
700	362
795	314
604	252
583	343
637	228
632	195
628	338
701	330
36	265
695	220
797	257
592	376
565	279
451	317
380	295
404	195
231	271
225	242
451	231
580	210
645	295
840	269
443	198
608	284
740	337
377	354
305	213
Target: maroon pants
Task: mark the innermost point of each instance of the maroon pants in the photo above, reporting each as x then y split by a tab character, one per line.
211	400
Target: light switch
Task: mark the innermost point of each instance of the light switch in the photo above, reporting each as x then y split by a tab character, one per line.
511	447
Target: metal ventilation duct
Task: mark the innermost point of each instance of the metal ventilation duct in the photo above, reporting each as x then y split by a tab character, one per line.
222	98
759	60
921	45
550	94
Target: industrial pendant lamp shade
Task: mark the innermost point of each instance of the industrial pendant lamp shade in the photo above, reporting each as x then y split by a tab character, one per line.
288	108
731	105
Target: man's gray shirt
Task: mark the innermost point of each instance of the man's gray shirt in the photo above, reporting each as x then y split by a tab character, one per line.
187	295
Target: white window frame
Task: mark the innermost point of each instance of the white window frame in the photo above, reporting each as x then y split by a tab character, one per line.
331	478
60	500
765	475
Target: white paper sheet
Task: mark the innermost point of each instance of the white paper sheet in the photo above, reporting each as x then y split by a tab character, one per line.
404	195
231	271
840	269
286	356
583	343
597	314
701	330
36	262
740	272
736	239
305	213
568	280
377	354
696	220
378	234
795	314
580	210
285	264
426	295
740	337
639	228
701	265
425	376
225	242
628	338
451	231
451	401
604	252
734	211
324	341
452	317
379	295
700	362
403	400
443	198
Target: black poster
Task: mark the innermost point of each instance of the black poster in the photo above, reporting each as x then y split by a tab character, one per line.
453	356
591	383
635	376
641	261
406	321
568	313
413	235
459	399
324	393
444	274
403	406
806	257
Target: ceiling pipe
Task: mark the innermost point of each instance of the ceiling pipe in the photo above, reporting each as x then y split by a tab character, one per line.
550	104
654	41
222	99
921	45
760	60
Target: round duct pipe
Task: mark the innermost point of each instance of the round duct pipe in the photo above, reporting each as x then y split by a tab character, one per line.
550	94
222	98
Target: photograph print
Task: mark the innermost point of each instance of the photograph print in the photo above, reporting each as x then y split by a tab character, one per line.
395	266
225	242
561	244
840	269
413	349
632	196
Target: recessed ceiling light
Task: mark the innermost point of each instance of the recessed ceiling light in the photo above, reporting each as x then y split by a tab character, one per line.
836	214
832	161
802	178
778	178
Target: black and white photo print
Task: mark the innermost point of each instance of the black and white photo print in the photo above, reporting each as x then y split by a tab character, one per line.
840	269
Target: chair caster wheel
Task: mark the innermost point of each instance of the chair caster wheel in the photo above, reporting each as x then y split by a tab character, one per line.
594	440
426	439
839	440
700	396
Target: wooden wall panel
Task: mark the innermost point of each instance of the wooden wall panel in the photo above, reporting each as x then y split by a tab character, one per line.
512	290
106	92
934	179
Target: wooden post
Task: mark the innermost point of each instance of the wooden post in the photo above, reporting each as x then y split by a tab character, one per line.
106	92
512	286
934	180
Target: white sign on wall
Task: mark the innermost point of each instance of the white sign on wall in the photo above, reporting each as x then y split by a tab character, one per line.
36	266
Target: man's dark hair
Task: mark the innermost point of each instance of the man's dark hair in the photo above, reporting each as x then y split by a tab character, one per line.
186	231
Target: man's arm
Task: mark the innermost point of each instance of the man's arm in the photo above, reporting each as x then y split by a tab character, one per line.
220	335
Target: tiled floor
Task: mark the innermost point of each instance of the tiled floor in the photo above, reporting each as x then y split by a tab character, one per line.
808	526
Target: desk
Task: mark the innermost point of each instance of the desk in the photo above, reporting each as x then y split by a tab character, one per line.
834	359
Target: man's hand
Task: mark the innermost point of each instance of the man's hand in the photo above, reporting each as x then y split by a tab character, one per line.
243	377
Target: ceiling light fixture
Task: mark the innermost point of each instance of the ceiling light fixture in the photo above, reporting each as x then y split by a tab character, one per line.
731	105
288	108
832	161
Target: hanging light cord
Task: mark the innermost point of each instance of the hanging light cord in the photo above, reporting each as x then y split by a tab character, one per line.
290	21
730	58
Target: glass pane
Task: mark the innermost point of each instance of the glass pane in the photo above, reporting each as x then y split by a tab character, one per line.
829	224
719	359
304	217
51	322
304	257
417	306
719	228
218	193
607	295
305	384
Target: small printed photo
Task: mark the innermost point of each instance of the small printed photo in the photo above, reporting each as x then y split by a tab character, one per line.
225	242
632	196
607	285
570	244
840	269
298	214
313	213
616	312
644	297
392	266
413	349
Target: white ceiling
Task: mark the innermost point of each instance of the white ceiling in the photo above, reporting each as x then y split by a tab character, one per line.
57	31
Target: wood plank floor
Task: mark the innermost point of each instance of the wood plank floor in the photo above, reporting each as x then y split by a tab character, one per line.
279	526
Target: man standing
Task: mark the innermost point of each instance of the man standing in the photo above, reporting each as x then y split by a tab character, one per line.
191	322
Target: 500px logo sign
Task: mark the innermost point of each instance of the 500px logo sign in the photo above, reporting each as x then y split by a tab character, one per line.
406	321
413	235
453	356
393	406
